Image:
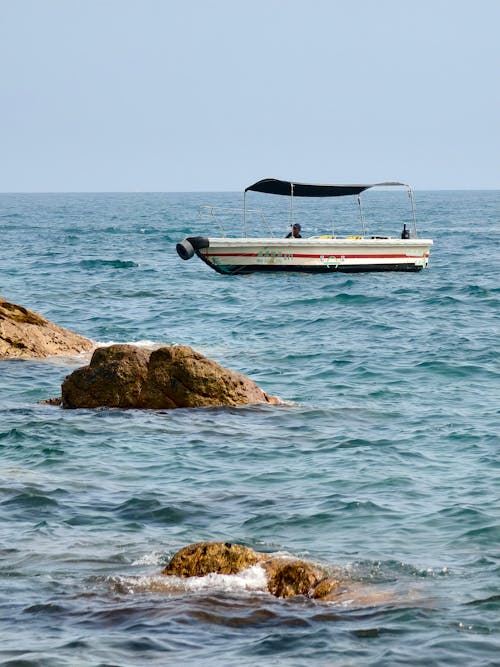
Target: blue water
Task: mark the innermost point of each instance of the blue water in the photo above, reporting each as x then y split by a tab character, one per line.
386	464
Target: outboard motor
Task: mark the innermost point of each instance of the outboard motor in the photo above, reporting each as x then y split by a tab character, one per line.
187	248
405	234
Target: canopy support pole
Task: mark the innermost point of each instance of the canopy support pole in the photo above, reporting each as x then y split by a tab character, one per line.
414	214
245	213
291	205
361	216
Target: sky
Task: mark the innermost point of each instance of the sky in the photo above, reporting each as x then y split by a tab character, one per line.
212	95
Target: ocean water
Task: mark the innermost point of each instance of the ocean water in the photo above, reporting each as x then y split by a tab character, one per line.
385	464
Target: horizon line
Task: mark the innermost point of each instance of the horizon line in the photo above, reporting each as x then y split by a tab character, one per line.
132	192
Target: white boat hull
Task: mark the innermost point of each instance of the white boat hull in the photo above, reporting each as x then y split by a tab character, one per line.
314	255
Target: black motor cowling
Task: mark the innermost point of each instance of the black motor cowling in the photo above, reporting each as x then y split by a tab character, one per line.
187	248
405	234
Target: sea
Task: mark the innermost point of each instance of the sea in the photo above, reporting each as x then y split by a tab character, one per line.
383	464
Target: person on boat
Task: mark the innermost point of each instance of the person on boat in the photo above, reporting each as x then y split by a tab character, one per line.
295	232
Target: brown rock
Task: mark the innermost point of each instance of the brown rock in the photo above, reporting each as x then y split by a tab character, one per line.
197	560
326	588
171	377
180	377
27	335
114	378
291	577
51	401
287	577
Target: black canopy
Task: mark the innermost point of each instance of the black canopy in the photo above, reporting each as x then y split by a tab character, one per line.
273	186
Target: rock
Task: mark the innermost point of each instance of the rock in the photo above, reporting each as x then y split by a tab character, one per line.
51	401
125	376
287	577
197	560
326	589
27	335
180	377
114	378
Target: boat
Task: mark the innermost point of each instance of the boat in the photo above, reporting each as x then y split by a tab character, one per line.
315	254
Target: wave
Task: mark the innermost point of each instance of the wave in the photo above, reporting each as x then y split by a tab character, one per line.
492	602
451	369
152	510
24	504
112	263
252	579
147	344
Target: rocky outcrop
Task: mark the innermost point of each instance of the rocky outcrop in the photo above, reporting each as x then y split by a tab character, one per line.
290	577
114	378
27	335
198	560
286	577
125	376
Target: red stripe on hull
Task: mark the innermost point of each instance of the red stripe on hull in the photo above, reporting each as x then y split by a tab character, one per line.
306	256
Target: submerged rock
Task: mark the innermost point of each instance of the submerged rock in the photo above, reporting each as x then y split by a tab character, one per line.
326	589
286	577
27	335
125	376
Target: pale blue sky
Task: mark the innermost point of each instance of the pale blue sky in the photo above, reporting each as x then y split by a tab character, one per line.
174	95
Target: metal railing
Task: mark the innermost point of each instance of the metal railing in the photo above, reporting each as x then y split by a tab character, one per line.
215	213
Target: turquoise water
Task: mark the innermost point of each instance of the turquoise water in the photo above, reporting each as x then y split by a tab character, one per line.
385	465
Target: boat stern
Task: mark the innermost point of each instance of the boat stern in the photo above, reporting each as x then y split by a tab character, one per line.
191	245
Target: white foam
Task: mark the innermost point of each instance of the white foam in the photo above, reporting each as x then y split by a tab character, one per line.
147	344
68	359
25	474
252	579
154	558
